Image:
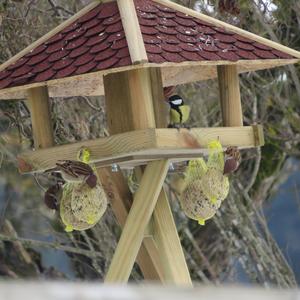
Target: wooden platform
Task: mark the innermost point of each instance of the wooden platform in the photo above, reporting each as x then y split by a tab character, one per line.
141	146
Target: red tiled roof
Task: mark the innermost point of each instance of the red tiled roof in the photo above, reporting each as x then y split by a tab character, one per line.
172	36
94	42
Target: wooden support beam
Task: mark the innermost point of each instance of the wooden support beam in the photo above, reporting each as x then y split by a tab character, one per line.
141	146
133	32
120	199
139	216
230	97
40	117
148	90
168	243
128	108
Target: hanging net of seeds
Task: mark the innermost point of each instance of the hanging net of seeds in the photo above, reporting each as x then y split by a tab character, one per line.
205	185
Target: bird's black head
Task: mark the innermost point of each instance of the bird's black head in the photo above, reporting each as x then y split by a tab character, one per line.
175	100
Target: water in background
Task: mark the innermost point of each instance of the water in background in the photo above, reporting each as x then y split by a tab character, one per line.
283	215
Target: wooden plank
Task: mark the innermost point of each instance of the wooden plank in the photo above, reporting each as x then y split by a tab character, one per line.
140	144
229	27
160	106
120	199
134	95
230	97
41	117
49	34
121	115
168	243
91	84
139	216
132	31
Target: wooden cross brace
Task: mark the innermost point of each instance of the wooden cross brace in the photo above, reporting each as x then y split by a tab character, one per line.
135	101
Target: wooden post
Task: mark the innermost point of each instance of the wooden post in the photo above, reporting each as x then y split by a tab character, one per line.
120	199
138	218
137	103
40	117
230	97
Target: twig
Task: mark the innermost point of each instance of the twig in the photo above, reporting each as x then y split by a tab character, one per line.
57	246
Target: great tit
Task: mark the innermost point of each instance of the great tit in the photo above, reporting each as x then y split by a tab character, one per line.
179	112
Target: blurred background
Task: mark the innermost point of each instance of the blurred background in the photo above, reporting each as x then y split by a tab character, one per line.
253	239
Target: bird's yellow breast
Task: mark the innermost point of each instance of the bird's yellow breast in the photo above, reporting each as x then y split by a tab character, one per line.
175	116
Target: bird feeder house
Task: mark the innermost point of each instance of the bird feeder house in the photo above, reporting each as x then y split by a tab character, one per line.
128	50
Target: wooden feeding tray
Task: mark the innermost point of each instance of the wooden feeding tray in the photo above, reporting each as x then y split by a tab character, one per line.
141	146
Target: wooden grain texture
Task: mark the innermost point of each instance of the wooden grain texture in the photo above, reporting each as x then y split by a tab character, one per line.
154	95
132	31
120	198
143	145
125	115
40	117
138	218
160	106
168	243
91	84
235	29
230	97
136	91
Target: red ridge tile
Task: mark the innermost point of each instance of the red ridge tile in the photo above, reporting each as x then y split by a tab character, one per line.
5	83
103	55
119	44
62	64
123	53
172	57
244	46
78	51
84	59
58	55
209	55
95	30
70	70
108	10
43	66
156	58
76	43
74	34
148	22
44	76
37	59
86	68
228	55
148	30
154	49
103	65
264	54
171	48
192	56
18	63
96	40
100	47
125	61
189	47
